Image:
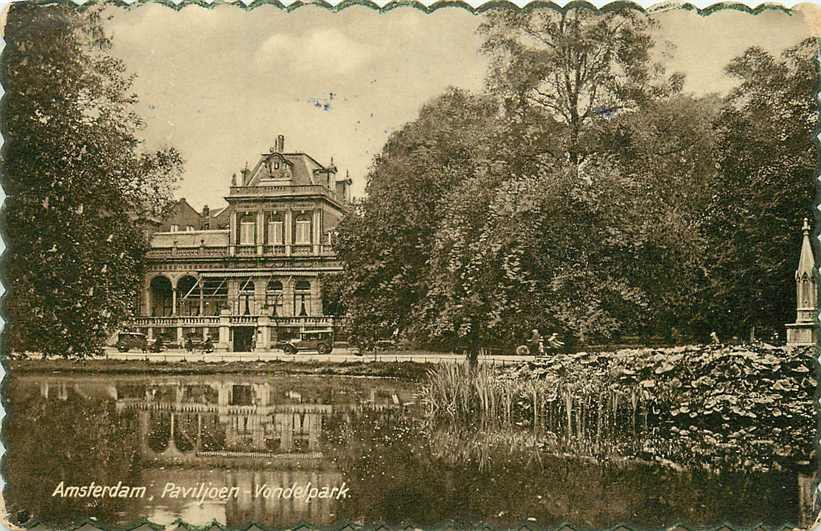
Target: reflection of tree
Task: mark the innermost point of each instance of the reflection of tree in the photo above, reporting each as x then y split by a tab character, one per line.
185	431
212	435
159	431
400	472
77	441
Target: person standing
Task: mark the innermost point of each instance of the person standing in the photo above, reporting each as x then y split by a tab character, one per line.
535	342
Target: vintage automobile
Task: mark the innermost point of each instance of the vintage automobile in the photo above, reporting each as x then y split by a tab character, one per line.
321	340
131	340
195	343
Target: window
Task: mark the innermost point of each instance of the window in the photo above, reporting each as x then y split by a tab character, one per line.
273	297
245	296
189	228
303	232
247	230
175	228
275	236
302	298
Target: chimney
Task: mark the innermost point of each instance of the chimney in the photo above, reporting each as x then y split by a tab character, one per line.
280	144
206	218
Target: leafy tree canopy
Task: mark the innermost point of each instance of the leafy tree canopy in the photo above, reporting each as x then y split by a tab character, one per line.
79	186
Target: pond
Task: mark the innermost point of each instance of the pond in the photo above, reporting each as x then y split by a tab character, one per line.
232	449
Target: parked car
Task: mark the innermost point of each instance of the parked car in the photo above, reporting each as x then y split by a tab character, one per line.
320	340
130	340
195	343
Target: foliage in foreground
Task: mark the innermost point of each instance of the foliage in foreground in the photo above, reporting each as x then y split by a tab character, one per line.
78	185
730	407
613	205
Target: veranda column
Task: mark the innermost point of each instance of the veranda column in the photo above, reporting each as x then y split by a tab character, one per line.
174	297
147	297
225	325
265	328
202	300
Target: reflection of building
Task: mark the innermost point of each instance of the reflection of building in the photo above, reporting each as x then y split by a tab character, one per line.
233	431
250	271
214	419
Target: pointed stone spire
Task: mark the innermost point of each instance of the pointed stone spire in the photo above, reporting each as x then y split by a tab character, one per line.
807	261
805	279
802	332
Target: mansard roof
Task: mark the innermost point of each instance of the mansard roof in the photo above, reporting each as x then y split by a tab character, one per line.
302	165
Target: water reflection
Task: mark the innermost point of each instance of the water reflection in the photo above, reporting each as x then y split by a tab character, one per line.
244	432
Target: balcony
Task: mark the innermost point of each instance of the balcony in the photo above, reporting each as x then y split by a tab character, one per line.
198	321
286	191
241	251
170	322
187	252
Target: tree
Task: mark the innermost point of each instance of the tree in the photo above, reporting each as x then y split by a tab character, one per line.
572	66
77	183
385	242
764	187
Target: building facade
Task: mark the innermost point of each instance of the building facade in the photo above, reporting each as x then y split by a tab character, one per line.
249	274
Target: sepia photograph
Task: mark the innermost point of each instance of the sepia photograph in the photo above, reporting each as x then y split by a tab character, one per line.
409	268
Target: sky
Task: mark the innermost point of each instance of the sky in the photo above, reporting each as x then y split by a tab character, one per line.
220	84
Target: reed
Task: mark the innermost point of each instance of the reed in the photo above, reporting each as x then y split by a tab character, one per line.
591	416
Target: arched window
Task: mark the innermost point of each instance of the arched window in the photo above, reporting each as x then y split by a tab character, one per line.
273	297
245	296
188	296
161	297
302	298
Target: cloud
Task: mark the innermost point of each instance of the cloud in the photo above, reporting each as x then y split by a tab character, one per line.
325	51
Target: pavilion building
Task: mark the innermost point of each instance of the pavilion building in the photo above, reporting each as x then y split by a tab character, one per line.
250	273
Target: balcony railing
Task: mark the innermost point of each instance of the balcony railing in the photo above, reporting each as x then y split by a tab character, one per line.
187	252
241	250
286	191
186	321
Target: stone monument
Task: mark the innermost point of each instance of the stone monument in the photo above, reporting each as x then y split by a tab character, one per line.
802	331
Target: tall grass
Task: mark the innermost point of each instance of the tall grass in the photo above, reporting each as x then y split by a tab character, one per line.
590	416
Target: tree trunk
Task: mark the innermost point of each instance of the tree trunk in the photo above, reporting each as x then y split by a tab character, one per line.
473	357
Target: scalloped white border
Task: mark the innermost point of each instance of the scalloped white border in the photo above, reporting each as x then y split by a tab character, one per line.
649	5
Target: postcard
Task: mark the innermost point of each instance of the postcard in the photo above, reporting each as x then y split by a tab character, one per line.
397	266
